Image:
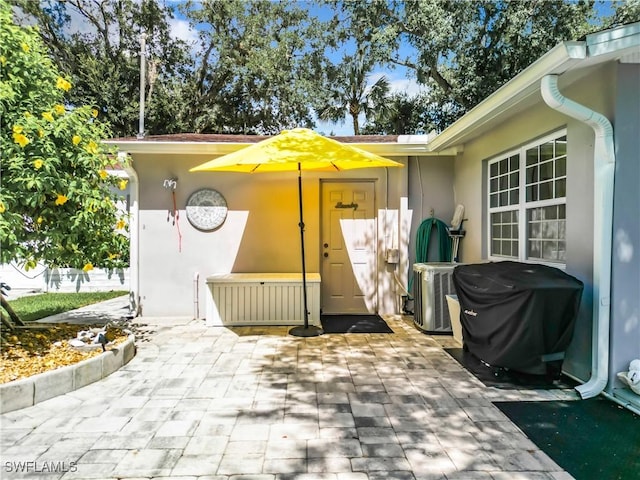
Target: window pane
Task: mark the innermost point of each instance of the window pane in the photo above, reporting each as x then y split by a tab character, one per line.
561	166
546	234
562	251
534	249
495	231
504	199
546	190
532	193
532	156
506	231
495	247
549	250
561	188
562	211
504	166
505	246
546	151
514	180
493	185
493	169
550	213
493	200
546	171
514	161
561	146
532	175
514	197
534	230
504	182
550	230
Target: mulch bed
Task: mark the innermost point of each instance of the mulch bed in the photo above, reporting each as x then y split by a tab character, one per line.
36	349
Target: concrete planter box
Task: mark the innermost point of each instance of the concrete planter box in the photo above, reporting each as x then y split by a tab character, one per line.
27	392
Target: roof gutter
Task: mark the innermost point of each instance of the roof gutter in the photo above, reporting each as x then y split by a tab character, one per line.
604	164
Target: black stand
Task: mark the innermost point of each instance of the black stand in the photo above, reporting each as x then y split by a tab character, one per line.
306	330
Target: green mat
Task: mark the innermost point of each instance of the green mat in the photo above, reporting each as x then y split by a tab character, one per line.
591	439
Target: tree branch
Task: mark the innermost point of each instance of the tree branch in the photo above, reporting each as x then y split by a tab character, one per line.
14	317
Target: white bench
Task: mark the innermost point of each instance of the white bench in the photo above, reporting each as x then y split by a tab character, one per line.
244	299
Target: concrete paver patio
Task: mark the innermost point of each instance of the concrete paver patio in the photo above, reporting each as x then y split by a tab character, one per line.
256	403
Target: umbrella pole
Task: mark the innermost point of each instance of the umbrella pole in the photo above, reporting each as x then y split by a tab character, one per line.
306	330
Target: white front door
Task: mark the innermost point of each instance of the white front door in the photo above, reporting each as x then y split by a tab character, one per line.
348	248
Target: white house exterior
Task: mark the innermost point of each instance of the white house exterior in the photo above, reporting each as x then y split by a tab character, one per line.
547	168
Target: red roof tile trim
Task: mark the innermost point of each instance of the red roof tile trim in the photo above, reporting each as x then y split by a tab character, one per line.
221	138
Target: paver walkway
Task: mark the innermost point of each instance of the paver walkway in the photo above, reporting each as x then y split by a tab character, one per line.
255	403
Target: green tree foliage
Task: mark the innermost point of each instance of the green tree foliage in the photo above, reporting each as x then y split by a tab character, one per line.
257	66
624	12
57	201
97	43
464	51
403	115
349	92
260	66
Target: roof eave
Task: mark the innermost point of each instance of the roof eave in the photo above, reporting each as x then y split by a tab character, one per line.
415	145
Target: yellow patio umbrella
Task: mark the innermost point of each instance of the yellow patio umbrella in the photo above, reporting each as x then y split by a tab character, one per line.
297	150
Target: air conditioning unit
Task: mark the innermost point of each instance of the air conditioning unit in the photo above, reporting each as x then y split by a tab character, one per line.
431	283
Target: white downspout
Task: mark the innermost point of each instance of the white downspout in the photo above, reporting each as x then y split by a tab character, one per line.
134	236
603	164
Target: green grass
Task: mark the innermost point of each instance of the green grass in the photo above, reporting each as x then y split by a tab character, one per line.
35	307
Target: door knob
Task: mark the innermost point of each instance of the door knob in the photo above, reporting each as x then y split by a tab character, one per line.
326	254
326	245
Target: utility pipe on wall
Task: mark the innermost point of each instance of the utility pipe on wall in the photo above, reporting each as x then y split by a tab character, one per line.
196	296
603	165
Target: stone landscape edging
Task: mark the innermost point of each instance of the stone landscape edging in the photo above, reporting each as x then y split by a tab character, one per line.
26	392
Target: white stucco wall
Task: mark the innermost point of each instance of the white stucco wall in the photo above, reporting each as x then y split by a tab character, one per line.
259	235
625	301
430	189
470	190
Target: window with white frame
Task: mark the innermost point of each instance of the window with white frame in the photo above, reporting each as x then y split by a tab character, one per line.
527	202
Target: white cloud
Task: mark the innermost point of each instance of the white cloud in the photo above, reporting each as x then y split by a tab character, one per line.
180	29
398	84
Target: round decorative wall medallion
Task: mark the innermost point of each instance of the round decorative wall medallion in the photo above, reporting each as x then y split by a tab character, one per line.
206	209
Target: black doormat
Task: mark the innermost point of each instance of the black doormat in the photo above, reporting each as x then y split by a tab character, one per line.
506	379
354	324
591	439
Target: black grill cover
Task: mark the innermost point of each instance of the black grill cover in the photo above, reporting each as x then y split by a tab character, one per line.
513	314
